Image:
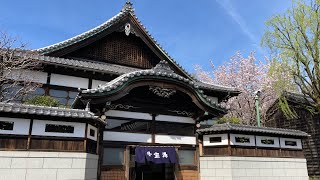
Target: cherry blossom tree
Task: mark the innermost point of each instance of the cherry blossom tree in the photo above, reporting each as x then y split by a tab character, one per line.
248	75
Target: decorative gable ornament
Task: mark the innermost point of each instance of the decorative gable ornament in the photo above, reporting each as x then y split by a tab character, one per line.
127	29
163	66
162	92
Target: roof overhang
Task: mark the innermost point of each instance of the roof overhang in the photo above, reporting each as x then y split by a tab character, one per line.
160	76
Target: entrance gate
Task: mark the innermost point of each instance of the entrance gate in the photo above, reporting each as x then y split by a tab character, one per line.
149	170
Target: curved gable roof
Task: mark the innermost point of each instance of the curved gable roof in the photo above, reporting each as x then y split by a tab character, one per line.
161	72
127	11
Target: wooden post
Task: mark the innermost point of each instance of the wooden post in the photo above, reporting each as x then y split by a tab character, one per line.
127	162
153	128
29	134
100	150
200	148
229	145
85	138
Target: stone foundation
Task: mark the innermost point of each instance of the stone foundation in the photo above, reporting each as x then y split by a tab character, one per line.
252	168
31	165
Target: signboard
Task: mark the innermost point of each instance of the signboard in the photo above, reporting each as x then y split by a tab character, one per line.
157	155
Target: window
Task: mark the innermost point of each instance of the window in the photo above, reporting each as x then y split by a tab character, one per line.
92	132
113	156
37	92
10	92
186	156
242	140
65	97
169	128
129	126
267	141
215	139
290	143
59	128
6	125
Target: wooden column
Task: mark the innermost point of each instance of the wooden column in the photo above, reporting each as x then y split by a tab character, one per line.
153	128
85	138
29	134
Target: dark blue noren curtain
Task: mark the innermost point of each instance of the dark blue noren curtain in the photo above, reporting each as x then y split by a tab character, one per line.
157	155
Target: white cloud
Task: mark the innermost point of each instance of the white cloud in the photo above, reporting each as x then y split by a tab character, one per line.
232	12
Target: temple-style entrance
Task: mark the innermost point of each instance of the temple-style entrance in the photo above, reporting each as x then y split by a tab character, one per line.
154	167
153	171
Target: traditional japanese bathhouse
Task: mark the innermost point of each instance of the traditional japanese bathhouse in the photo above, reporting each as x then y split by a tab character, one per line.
150	104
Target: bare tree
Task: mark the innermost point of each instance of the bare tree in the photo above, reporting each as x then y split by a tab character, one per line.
16	62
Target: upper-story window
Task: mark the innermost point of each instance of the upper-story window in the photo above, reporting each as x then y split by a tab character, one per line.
65	97
170	128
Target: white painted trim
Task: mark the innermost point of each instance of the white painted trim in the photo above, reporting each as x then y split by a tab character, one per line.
20	126
224	140
283	145
39	126
95	137
127	137
173	139
275	139
27	75
127	114
96	83
233	140
69	81
176	119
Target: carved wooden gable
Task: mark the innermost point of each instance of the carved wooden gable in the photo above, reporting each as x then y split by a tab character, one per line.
118	48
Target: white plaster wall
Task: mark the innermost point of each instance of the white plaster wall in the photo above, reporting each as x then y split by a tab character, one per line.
29	75
252	168
176	119
38	128
233	140
283	145
128	137
224	140
95	137
20	126
275	139
173	139
29	165
127	114
69	81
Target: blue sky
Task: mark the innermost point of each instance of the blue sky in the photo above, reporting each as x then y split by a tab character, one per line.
193	32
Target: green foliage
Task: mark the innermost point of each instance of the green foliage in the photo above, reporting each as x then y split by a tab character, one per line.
225	119
288	112
43	101
294	38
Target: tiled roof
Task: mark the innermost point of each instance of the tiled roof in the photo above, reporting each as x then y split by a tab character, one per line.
216	86
127	10
84	35
110	68
296	97
251	129
46	111
86	65
160	71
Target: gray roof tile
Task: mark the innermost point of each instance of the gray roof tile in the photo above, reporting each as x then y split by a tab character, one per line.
251	129
48	111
